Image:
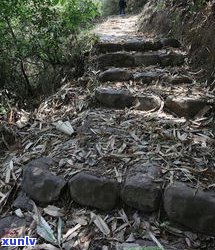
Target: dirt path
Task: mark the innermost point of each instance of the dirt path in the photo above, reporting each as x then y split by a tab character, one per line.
117	28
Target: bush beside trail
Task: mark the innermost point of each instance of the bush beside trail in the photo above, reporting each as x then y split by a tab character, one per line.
40	40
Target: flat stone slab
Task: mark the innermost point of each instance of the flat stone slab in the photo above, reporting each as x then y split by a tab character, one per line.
39	183
109	47
134	45
116	60
142	45
146	59
156	58
115	74
147	102
98	192
146	77
114	98
140	190
124	59
191	207
187	107
122	98
137	45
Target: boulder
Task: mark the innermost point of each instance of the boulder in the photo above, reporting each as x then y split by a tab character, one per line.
121	59
115	74
191	207
171	59
98	192
146	59
147	102
146	77
114	98
183	106
39	183
140	190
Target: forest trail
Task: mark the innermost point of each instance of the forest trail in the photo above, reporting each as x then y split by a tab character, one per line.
117	28
130	142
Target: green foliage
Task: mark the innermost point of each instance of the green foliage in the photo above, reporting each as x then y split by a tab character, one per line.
38	32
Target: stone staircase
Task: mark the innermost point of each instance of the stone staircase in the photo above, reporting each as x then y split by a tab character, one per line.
127	57
139	53
146	75
141	62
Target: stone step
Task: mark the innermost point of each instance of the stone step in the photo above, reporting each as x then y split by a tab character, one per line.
145	77
122	98
124	59
114	98
118	60
125	74
136	45
183	106
115	74
156	58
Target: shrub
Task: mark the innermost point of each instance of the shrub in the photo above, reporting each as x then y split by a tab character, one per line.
37	33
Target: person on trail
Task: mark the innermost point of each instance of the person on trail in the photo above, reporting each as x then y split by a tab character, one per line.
122	6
